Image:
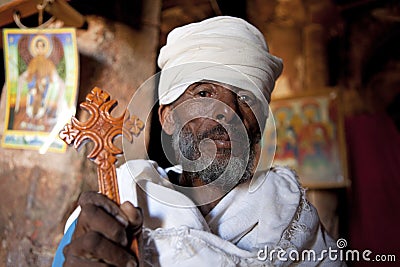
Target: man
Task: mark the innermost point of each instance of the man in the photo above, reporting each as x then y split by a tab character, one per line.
217	208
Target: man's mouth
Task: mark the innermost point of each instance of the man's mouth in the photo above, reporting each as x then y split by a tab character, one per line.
224	143
224	146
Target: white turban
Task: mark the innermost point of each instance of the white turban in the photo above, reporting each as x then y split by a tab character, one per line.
224	49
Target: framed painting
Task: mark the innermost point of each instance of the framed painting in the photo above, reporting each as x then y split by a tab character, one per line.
41	83
310	138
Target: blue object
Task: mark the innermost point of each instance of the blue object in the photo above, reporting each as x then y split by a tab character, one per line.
59	258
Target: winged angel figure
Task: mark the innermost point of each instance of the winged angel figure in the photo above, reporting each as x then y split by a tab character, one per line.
42	56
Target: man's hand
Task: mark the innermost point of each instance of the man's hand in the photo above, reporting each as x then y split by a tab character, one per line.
103	232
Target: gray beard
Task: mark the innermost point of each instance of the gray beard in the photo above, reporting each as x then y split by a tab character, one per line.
225	172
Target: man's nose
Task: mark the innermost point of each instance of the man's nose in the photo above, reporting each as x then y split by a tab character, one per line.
225	113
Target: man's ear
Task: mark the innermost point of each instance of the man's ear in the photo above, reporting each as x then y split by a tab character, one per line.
165	114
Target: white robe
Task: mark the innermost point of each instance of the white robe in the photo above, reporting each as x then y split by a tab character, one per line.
246	228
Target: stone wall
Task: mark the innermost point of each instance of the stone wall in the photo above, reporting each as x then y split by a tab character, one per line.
38	192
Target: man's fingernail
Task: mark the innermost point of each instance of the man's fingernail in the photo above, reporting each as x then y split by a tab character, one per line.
122	220
131	264
124	241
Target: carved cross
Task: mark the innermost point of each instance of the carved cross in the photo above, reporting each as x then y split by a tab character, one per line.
102	129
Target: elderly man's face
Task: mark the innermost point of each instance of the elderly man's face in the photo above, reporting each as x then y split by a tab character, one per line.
213	125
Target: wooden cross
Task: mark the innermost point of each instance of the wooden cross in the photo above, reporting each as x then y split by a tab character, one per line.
102	129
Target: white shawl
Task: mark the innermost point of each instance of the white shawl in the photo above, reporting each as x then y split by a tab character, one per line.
237	232
240	231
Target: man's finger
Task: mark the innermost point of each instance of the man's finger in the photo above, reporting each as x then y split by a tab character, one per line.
133	214
103	223
102	201
93	245
76	261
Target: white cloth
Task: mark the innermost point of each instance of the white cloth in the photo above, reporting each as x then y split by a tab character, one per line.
275	216
223	49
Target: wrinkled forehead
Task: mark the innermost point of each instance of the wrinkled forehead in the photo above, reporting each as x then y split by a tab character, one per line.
230	88
174	81
254	107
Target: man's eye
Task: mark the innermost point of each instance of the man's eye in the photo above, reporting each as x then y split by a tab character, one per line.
243	98
204	94
249	100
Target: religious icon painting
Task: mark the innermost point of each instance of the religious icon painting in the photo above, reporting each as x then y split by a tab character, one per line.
310	138
41	82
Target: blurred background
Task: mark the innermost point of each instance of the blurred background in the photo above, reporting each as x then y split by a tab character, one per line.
346	48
